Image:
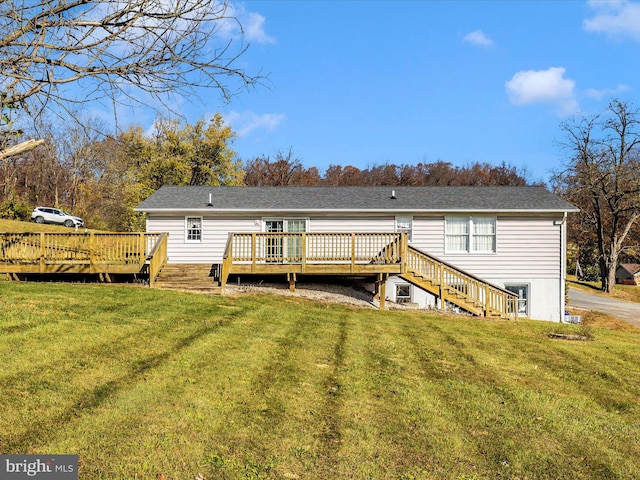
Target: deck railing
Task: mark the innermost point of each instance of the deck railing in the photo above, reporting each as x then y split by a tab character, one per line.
361	253
92	252
157	256
313	247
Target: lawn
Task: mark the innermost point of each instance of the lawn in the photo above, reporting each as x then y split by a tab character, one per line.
145	384
16	226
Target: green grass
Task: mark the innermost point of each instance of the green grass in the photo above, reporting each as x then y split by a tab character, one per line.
17	226
147	384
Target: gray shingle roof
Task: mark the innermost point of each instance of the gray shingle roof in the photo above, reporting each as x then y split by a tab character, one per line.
425	199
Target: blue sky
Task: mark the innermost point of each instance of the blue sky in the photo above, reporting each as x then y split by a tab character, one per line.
368	82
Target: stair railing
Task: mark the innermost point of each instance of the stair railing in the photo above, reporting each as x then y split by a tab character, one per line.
456	283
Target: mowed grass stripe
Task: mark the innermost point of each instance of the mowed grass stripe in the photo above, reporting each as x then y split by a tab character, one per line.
492	394
81	366
240	405
174	385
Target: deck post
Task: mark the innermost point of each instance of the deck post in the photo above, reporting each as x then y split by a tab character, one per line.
303	260
487	310
353	252
253	253
142	249
291	278
404	251
443	290
382	278
92	252
42	252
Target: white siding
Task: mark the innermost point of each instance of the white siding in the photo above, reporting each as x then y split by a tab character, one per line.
528	252
428	234
528	248
358	224
525	246
215	231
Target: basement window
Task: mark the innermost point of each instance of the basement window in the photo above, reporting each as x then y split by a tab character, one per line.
403	293
522	291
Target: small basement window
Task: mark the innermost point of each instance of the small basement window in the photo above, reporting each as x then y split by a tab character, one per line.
523	295
194	229
403	293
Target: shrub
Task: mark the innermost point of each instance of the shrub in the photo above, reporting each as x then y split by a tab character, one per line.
15	210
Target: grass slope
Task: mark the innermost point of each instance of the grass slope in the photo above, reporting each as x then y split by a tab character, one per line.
17	226
154	384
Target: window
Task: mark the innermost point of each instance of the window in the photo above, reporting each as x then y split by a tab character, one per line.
523	294
403	293
470	234
194	229
405	225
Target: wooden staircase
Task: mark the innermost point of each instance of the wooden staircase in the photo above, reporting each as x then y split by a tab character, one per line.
194	277
454	286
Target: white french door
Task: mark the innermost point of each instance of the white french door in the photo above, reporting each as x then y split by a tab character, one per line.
284	248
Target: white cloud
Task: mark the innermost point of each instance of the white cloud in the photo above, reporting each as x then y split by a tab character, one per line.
543	86
618	18
244	123
254	29
253	25
606	92
478	37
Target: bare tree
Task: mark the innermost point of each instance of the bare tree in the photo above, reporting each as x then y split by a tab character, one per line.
281	171
60	53
602	179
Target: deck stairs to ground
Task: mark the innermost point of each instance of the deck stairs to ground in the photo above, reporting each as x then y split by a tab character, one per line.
193	277
450	284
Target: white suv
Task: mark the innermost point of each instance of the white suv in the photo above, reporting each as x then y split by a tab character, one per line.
55	215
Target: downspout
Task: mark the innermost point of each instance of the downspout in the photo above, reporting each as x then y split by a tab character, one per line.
563	264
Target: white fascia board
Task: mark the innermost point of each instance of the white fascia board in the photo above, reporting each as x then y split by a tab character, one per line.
325	211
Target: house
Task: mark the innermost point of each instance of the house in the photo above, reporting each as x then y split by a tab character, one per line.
628	274
513	238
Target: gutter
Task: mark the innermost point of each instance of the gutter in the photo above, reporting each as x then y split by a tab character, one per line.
324	210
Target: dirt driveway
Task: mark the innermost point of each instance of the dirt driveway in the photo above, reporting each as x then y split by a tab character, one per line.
629	312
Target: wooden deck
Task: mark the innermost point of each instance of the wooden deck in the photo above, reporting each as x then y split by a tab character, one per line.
363	254
82	253
377	255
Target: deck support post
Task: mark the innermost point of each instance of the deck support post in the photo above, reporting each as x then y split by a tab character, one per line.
291	278
443	290
487	308
382	281
104	277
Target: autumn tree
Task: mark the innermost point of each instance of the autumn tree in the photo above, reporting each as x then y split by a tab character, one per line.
601	178
283	170
182	154
57	54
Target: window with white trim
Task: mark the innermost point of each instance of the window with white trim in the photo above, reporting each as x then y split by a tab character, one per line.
193	229
405	225
522	291
470	234
403	293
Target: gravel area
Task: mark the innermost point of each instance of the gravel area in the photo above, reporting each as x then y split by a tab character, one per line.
316	291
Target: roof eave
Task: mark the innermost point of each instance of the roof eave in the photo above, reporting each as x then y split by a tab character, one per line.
349	210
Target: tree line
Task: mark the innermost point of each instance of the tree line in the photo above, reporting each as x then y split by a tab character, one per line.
102	178
284	169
